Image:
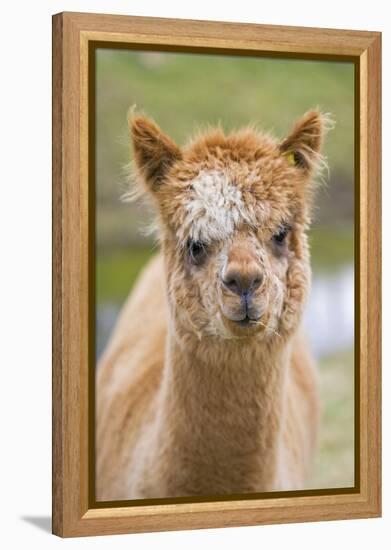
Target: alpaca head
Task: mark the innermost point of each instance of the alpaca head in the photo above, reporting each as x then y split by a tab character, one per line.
233	212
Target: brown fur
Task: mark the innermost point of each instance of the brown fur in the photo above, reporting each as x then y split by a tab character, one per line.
191	399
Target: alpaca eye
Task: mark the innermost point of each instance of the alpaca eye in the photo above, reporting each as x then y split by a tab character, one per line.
279	238
196	251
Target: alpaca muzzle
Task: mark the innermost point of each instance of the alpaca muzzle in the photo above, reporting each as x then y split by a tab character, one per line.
241	280
242	306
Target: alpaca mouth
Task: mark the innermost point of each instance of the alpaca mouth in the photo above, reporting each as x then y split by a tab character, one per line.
243	317
247	321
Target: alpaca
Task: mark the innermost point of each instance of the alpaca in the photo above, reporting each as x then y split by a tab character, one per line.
207	386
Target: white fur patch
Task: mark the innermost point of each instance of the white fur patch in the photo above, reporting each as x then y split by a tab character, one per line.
215	208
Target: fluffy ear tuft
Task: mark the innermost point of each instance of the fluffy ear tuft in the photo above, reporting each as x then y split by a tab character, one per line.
154	152
302	146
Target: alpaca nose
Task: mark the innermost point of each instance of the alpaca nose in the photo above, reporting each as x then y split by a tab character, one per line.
243	281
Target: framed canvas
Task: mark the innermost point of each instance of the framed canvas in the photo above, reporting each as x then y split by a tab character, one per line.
196	402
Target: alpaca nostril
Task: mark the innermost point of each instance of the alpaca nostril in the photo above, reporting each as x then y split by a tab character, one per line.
257	282
242	284
232	284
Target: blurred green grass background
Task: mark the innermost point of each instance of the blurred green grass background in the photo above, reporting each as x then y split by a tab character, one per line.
185	92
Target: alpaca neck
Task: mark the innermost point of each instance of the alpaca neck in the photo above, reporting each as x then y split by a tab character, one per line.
219	415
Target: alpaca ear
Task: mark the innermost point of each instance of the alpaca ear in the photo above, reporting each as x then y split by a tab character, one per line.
303	144
154	152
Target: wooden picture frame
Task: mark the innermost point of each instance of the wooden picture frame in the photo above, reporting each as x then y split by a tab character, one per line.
75	35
